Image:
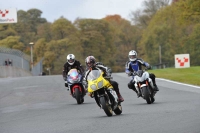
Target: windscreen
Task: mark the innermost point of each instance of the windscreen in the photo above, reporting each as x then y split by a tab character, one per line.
94	74
73	73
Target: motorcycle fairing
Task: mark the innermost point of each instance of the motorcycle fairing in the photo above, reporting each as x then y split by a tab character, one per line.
73	79
97	81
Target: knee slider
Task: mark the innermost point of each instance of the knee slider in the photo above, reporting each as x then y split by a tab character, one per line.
131	85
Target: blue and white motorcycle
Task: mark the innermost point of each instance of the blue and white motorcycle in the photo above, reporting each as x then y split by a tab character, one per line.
144	85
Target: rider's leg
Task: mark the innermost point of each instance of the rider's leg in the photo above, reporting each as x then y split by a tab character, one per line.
153	77
131	85
116	88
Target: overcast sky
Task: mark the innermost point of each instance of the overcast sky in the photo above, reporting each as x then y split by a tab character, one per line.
71	9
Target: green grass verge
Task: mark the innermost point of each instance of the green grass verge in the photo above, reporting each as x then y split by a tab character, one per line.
185	75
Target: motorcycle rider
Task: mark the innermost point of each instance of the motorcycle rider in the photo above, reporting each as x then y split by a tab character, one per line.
70	64
134	64
91	63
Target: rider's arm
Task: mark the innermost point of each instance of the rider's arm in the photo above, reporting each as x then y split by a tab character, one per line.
106	69
144	63
101	66
86	74
80	67
128	68
64	72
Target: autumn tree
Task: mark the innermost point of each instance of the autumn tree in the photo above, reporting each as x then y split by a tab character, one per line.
126	38
96	39
142	17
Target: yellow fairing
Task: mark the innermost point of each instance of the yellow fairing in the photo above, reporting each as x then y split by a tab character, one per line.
98	83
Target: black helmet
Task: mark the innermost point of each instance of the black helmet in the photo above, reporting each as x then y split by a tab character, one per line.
90	61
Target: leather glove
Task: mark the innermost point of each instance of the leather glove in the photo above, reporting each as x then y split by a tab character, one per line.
134	73
91	95
149	67
130	74
108	74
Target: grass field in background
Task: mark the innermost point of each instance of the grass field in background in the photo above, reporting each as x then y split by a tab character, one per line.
185	75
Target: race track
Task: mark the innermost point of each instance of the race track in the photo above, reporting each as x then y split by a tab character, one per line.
41	104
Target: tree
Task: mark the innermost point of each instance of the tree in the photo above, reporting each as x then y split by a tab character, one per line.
190	11
44	31
193	46
142	17
12	42
126	38
6	30
96	39
40	48
62	28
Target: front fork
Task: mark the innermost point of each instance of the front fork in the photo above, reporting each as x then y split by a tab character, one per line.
113	93
148	81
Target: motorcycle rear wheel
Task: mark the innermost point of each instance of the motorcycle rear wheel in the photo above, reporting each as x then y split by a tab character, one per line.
152	99
152	96
106	107
118	110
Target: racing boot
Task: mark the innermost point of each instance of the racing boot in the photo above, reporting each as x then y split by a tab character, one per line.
156	87
120	98
154	84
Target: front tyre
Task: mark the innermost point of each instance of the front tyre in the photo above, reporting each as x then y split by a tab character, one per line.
106	107
78	96
146	95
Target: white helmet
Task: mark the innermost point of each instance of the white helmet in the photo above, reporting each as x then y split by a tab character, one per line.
70	59
132	55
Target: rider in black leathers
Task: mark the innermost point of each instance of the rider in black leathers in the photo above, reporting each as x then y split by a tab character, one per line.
134	64
70	64
92	64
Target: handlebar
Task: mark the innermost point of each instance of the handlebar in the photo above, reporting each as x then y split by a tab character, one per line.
108	77
138	73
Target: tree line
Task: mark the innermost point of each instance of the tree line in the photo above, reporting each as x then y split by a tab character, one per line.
172	26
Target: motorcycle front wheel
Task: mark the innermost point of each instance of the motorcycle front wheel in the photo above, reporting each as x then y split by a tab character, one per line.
146	95
78	96
106	107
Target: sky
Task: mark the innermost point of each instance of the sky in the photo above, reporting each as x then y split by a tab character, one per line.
72	9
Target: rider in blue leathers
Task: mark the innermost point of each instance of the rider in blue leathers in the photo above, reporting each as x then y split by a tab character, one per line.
134	64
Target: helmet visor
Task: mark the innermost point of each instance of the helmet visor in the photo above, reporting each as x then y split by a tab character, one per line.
71	60
132	56
90	64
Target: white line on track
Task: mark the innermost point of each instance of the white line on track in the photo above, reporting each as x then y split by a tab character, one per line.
179	83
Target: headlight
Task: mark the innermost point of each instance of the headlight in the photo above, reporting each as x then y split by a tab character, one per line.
93	87
100	84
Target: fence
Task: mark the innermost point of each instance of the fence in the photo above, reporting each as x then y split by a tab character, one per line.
38	68
17	59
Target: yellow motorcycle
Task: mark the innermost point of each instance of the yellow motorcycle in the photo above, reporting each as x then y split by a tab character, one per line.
100	88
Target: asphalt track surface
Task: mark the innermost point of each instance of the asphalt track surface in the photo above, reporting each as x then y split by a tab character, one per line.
41	104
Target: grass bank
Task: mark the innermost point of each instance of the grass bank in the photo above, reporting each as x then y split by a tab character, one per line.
185	75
